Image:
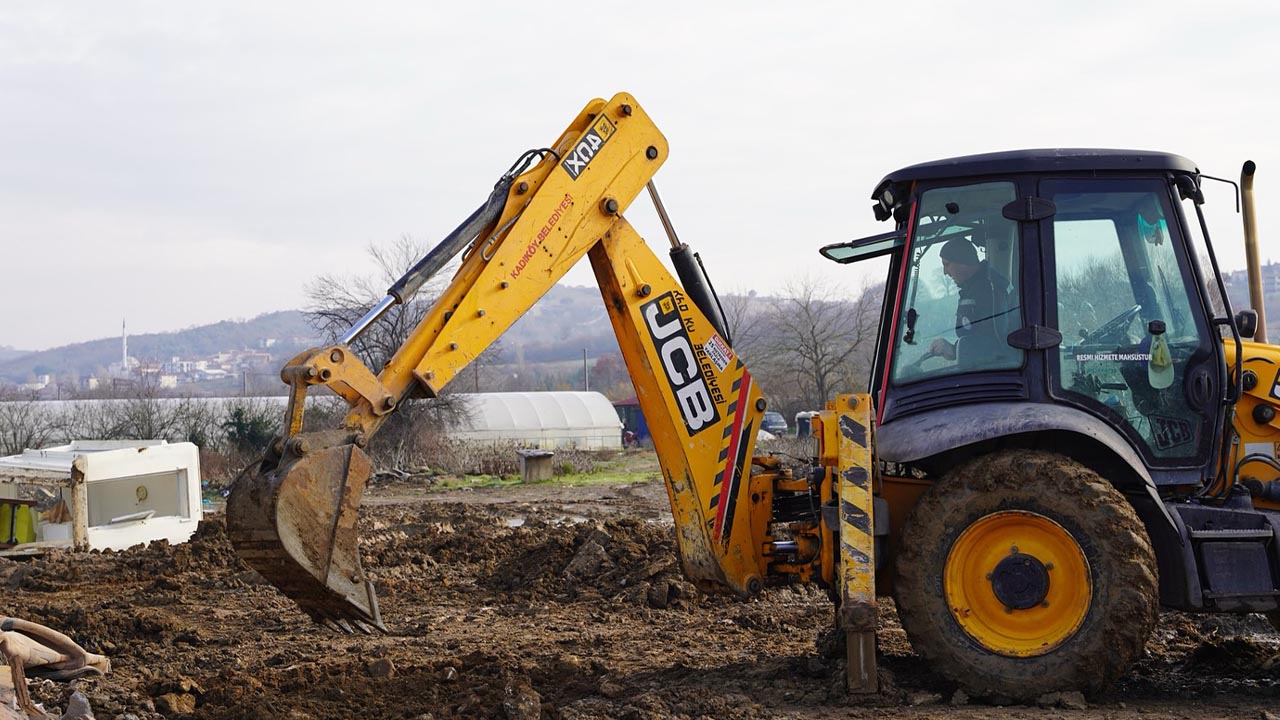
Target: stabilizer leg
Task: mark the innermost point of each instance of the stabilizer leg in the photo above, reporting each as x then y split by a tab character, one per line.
857	541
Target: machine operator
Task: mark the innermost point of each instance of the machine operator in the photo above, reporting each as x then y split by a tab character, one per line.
983	299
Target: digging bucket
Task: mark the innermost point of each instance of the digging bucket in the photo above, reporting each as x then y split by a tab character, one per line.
295	522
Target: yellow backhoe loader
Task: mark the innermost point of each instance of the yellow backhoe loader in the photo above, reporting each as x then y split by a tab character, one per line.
1067	428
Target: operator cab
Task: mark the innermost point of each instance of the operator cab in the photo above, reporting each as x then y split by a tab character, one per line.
1063	284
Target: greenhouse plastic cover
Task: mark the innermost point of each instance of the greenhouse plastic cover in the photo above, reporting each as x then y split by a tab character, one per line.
542	419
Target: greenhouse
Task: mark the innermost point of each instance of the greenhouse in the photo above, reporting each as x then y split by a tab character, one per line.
547	420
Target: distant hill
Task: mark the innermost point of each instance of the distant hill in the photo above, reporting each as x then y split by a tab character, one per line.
567	320
288	329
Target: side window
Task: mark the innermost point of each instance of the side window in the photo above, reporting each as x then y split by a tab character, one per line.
1124	310
962	294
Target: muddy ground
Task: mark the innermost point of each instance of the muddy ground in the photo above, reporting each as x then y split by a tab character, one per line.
535	601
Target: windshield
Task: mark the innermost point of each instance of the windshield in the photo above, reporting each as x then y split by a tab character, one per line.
961	297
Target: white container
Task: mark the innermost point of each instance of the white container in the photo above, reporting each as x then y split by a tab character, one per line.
117	494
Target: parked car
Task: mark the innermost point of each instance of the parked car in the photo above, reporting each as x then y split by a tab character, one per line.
774	423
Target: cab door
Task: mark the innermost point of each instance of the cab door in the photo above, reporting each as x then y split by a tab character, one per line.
1136	348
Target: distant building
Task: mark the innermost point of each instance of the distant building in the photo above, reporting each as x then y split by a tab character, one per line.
124	368
1239	280
42	382
249	359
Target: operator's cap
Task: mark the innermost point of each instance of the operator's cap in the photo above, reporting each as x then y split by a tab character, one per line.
961	251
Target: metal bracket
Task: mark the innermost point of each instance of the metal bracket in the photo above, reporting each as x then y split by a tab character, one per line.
1029	209
338	369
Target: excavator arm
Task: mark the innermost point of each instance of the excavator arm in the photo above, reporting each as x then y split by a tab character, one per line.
293	515
741	520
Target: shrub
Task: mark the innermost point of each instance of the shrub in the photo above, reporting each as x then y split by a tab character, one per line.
249	428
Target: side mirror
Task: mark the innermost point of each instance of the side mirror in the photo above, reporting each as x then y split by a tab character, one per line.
1247	323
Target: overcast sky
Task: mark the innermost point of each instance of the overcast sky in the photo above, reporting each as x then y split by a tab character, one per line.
177	164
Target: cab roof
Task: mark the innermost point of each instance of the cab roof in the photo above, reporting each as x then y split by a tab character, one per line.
1042	160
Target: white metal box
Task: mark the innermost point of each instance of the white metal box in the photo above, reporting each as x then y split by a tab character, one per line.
99	495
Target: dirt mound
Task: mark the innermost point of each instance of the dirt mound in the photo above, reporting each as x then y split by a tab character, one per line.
627	561
544	558
518	610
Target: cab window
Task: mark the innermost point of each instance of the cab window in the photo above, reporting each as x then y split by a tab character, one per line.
1124	308
961	296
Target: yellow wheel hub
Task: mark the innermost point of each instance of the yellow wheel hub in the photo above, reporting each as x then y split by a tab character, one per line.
1017	583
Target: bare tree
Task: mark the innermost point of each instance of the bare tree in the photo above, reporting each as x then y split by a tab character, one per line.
197	421
24	423
609	376
337	302
821	342
491	357
743	317
143	416
90	419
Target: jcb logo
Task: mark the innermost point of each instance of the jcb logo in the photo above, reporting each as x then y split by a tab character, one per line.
679	364
583	153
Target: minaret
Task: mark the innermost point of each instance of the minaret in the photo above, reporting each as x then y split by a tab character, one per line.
124	349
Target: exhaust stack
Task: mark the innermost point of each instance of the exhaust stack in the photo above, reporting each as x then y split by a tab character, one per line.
1252	264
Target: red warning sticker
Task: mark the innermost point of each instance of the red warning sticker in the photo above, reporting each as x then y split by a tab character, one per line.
718	351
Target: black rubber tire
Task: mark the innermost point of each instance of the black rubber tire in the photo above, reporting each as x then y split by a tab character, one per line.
1122	566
